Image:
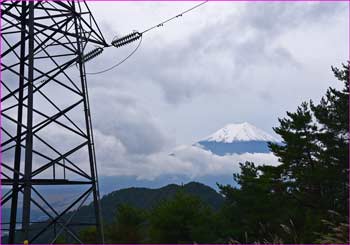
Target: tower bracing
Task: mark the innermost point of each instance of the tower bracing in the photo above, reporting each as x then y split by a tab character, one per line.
48	165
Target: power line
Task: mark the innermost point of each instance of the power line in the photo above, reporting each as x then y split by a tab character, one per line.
138	35
174	17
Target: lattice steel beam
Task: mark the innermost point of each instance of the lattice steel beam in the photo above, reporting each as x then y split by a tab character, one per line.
46	132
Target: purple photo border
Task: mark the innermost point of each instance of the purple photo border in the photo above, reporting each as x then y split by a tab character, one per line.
171	1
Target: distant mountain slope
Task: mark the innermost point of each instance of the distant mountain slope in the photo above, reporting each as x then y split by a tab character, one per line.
238	147
237	139
147	198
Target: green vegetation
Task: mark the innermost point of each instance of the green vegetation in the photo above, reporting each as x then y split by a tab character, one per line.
128	227
183	219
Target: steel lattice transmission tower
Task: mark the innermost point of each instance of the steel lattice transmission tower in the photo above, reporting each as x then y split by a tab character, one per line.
47	143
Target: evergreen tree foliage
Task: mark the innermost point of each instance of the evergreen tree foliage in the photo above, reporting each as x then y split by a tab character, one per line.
128	226
89	235
183	219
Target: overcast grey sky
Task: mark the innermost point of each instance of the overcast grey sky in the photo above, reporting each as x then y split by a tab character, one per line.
226	62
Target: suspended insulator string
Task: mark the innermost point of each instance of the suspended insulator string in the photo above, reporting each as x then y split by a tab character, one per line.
174	17
126	39
120	62
92	54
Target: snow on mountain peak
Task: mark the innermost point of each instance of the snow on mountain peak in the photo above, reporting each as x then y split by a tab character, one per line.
240	132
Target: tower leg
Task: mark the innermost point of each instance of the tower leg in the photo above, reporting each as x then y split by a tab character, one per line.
91	148
17	160
29	135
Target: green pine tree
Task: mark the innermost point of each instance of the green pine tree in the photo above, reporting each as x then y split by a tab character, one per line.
182	219
129	226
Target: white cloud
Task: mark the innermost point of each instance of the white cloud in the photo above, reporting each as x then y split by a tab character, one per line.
190	161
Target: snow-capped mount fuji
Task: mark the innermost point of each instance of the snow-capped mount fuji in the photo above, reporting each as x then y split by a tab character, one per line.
237	138
240	132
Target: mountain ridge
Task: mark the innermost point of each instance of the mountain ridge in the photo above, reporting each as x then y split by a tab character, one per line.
147	198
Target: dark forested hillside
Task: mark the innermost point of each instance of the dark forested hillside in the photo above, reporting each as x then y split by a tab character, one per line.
146	198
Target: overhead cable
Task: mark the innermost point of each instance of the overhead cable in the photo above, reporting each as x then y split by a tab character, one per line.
118	42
